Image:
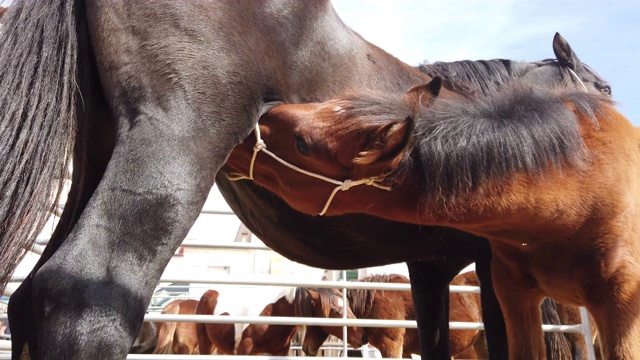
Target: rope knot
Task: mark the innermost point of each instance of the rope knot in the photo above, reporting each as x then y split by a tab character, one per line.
260	145
346	185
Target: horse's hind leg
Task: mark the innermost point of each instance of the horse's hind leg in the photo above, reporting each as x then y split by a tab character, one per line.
101	279
178	119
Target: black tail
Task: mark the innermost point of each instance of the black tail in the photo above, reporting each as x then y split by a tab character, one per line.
38	64
558	346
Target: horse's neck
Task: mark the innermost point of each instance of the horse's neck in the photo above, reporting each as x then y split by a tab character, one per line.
328	66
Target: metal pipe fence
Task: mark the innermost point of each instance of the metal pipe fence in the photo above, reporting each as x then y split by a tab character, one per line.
206	282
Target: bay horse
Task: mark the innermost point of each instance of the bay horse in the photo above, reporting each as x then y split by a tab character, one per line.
255	339
137	97
524	168
432	274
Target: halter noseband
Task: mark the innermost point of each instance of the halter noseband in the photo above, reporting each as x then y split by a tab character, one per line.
340	185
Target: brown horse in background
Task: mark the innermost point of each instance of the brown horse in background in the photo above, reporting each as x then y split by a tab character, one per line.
178	337
523	167
269	339
398	305
464	307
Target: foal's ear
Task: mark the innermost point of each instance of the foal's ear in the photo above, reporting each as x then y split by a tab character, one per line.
387	144
564	54
424	94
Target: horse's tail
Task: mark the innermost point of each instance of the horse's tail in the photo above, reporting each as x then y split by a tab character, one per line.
166	330
165	338
206	306
557	345
38	64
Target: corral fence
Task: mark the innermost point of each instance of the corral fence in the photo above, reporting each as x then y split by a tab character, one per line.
176	288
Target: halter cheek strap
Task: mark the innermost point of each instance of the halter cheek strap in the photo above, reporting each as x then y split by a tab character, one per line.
578	80
340	185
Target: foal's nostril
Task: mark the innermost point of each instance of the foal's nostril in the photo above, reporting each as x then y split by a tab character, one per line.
365	339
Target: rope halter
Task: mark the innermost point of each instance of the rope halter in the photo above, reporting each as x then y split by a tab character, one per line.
577	79
345	185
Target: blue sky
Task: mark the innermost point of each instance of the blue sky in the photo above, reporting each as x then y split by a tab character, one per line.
604	34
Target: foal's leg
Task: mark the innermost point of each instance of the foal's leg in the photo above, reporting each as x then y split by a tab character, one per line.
520	303
430	292
616	308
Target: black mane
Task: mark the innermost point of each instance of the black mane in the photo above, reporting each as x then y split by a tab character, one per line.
526	129
473	77
483	77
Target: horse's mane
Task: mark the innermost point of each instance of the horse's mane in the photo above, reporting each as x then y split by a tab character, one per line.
361	300
302	302
467	77
527	129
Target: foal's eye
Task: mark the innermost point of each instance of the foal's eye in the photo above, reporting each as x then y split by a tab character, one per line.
302	146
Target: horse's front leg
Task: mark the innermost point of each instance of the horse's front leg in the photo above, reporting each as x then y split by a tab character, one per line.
615	306
430	292
520	303
91	296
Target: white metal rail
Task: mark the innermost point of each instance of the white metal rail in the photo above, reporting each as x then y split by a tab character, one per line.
583	328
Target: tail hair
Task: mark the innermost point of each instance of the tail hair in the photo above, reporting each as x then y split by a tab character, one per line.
38	57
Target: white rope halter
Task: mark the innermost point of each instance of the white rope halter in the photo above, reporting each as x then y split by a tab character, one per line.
340	185
578	80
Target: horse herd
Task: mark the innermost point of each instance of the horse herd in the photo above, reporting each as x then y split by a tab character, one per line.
526	169
253	339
